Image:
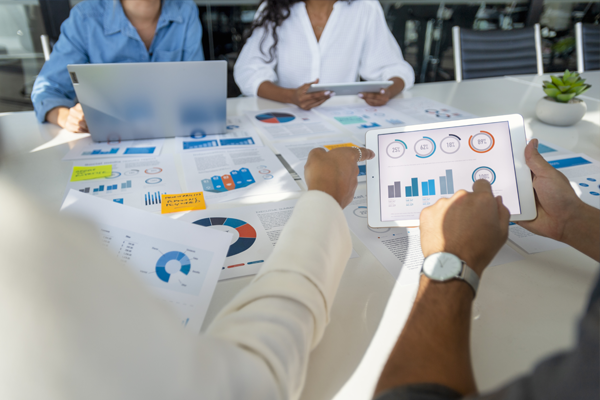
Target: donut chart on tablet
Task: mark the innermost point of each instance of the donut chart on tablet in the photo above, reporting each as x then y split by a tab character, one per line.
244	234
275	117
482	142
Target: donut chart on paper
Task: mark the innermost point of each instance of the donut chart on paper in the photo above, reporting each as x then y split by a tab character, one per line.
275	118
246	234
170	258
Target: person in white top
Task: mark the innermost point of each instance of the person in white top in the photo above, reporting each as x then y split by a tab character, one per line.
295	43
77	325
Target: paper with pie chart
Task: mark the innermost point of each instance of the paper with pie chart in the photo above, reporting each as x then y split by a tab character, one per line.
419	167
180	263
290	123
255	230
239	133
225	175
138	183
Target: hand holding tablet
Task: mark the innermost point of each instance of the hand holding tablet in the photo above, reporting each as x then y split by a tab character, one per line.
352	88
416	165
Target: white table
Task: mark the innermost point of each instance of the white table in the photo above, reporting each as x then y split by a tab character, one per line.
526	309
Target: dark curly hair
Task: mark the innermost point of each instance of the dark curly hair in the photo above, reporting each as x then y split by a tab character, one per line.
271	17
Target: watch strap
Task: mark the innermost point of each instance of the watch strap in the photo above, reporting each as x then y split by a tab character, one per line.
470	276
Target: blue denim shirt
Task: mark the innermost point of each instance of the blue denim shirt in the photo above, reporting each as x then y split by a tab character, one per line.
97	31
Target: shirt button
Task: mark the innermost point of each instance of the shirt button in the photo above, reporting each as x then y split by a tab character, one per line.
150	54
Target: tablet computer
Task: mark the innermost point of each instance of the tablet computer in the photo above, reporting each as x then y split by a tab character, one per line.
416	165
343	89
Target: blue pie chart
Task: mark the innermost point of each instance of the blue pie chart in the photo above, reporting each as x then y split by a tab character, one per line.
161	264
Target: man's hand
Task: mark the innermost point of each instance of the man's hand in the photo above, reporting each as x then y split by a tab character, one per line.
561	215
472	226
557	202
71	119
335	172
306	101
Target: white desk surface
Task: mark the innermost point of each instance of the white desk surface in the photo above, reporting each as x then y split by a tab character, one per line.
526	310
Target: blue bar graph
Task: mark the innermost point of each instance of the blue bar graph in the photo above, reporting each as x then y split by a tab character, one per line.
100	152
408	191
153	198
425	188
395	190
414	188
431	187
447	183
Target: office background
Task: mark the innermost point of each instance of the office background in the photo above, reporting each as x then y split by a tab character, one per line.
422	28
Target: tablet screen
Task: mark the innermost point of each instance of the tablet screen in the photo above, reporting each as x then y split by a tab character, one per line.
418	168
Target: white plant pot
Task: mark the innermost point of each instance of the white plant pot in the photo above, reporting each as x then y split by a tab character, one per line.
552	112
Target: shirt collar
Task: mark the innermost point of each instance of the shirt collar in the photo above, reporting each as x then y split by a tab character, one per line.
115	19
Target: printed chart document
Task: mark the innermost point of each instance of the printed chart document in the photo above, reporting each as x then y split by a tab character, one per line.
584	174
229	174
254	229
137	183
399	249
425	110
530	242
296	153
178	262
240	133
358	119
290	123
87	149
547	149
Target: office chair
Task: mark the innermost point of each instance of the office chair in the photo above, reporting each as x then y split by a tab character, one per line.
587	43
482	54
54	13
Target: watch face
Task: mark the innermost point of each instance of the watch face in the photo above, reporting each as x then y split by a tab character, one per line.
442	266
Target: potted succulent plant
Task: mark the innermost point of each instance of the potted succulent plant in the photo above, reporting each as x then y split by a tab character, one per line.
561	106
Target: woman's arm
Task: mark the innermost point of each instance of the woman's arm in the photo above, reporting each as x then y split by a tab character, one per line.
298	96
53	88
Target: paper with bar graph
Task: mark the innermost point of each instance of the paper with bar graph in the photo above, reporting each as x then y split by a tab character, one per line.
239	133
137	183
87	149
180	263
228	174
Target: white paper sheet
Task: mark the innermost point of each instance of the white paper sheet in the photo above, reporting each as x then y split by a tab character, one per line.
584	174
178	262
137	183
86	149
296	153
240	133
530	242
548	149
399	249
290	123
229	174
255	230
358	119
427	111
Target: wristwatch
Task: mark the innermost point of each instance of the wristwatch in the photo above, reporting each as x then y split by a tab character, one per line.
443	267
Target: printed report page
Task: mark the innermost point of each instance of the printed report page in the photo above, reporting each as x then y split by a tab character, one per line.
418	168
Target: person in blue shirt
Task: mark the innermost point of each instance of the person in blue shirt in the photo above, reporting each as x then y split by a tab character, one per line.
113	31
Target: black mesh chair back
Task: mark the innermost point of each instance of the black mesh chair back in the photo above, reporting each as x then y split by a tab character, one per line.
54	13
483	54
587	37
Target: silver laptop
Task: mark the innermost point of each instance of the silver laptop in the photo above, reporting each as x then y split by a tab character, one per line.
152	100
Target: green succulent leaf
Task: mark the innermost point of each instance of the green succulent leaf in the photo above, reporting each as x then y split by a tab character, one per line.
552	92
566	75
564	88
577	84
550	85
564	97
571	80
556	80
583	89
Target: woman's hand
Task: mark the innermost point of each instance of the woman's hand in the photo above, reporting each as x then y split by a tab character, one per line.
306	101
335	172
71	119
384	95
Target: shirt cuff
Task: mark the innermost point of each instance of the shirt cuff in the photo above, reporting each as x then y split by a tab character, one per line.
43	106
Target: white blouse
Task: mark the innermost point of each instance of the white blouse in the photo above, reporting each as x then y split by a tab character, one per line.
356	42
77	325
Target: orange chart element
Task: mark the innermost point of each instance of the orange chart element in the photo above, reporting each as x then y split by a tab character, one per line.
485	150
